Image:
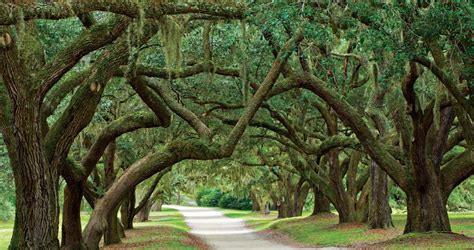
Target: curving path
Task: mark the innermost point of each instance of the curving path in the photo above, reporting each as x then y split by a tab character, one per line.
221	232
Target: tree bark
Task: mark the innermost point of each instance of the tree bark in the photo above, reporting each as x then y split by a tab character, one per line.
144	213
379	209
158	205
71	227
178	198
427	210
300	198
127	210
36	184
321	203
112	234
255	204
282	209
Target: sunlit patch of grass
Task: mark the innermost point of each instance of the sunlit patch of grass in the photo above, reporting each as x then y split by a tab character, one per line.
257	220
167	217
324	231
165	230
6	230
6	224
428	240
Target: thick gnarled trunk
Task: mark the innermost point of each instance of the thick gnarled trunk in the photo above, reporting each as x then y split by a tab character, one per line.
321	203
127	210
113	233
36	184
427	211
144	213
71	227
379	209
255	204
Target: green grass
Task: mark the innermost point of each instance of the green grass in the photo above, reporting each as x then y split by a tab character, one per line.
324	231
169	219
165	230
428	240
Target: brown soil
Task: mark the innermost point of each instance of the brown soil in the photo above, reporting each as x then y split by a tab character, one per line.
193	240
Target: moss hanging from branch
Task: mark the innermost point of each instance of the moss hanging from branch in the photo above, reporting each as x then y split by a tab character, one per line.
244	70
134	35
439	95
207	51
171	32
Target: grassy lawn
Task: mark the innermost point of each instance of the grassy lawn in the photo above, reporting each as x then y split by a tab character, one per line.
6	228
323	231
165	230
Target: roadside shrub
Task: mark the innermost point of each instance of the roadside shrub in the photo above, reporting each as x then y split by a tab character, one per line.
229	201
208	197
7	210
462	197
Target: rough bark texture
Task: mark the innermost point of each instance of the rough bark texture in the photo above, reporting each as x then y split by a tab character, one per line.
36	220
291	202
127	210
36	192
144	213
379	209
427	211
113	233
321	203
71	227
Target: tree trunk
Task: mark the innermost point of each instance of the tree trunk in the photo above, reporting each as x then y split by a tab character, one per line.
127	210
121	229
144	213
426	210
255	204
71	227
36	182
157	206
379	209
109	166
178	198
282	210
266	209
345	213
321	203
112	234
300	198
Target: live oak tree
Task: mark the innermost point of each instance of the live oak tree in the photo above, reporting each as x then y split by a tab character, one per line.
38	153
397	88
419	160
424	173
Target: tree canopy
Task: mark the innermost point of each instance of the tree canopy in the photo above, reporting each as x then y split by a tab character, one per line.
119	102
